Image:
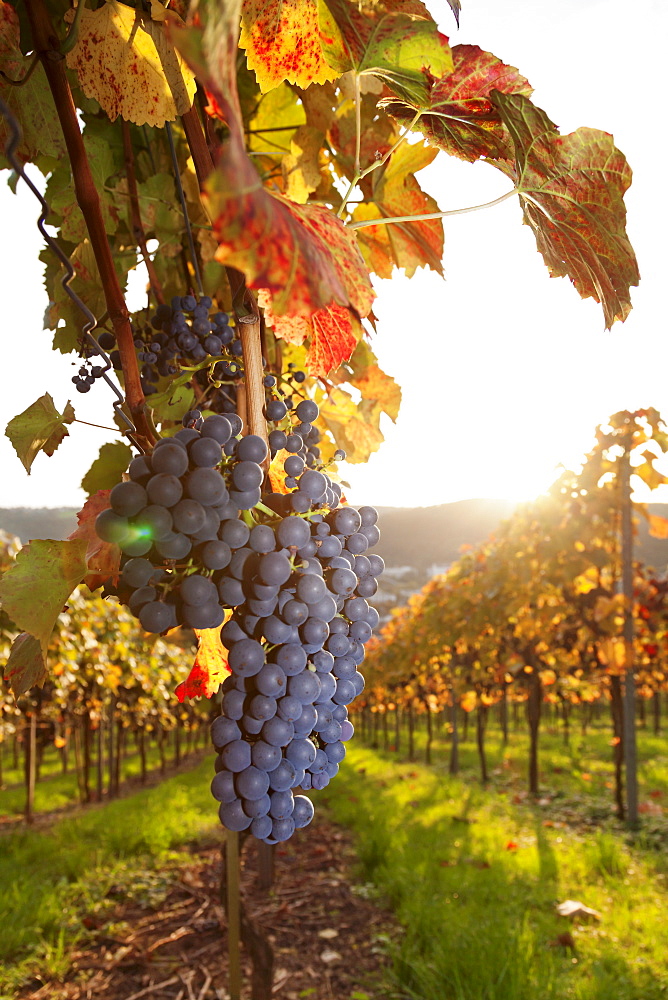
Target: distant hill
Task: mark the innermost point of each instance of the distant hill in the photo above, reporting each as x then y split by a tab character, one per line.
427	539
38	522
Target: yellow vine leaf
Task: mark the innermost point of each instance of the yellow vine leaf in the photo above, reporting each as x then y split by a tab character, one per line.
282	42
125	61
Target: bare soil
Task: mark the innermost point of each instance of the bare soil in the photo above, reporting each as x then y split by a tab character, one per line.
328	935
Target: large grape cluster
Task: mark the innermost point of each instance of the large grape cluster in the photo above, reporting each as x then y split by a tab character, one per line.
201	539
295	641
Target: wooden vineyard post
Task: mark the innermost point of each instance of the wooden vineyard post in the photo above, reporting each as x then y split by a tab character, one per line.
265	858
630	750
233	915
31	764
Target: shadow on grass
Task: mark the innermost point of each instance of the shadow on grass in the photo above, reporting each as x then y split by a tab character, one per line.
474	890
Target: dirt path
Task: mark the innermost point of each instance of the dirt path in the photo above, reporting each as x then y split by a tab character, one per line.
329	939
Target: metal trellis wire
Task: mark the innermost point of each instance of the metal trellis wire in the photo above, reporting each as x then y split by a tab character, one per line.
90	324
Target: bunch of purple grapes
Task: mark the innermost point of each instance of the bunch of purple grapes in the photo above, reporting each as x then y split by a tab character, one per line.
186	332
295	640
172	516
200	538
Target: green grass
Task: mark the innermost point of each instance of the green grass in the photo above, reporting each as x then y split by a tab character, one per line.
56	790
49	879
474	873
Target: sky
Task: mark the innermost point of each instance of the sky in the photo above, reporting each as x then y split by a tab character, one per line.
505	372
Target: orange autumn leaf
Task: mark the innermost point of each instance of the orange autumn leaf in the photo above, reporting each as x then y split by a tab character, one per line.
331	333
658	526
210	667
374	384
277	472
102	558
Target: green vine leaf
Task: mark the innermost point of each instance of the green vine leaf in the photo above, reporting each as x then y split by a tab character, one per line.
25	666
34	590
32	103
108	467
572	188
39	428
398	48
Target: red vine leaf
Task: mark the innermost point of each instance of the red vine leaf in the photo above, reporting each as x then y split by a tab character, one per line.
572	191
302	254
103	559
34	590
282	42
125	61
332	340
459	116
209	669
331	334
402	50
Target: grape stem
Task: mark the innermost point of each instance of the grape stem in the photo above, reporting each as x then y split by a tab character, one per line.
102	427
432	215
48	45
381	161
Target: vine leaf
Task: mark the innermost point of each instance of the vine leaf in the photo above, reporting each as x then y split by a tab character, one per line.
32	103
34	590
39	428
282	43
301	257
25	665
210	667
302	254
103	559
572	192
455	7
658	526
331	333
108	467
459	116
402	50
354	428
125	61
397	192
301	166
379	388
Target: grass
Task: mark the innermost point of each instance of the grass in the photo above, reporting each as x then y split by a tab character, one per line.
56	790
50	878
474	873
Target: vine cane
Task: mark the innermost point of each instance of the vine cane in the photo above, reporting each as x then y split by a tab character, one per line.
233	914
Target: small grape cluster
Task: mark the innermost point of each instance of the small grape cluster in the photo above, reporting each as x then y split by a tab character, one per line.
185	332
167	519
87	376
295	641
